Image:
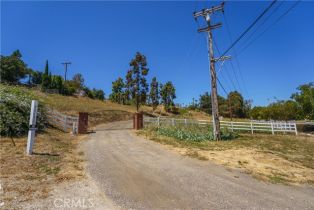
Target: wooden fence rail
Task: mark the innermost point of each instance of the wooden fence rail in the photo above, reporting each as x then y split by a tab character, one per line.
64	122
253	126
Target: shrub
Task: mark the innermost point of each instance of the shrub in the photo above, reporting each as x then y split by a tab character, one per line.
15	105
192	133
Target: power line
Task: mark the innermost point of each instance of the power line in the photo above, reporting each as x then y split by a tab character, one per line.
274	23
237	61
227	72
262	23
249	28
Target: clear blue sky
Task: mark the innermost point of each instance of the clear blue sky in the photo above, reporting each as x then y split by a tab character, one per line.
100	38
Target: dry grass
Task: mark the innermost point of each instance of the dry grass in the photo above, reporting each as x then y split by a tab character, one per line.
26	178
274	158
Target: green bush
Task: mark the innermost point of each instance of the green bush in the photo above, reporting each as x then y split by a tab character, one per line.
15	105
192	133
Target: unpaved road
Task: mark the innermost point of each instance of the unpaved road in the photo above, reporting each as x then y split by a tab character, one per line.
140	174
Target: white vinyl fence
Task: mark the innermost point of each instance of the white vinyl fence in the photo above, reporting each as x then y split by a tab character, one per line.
253	126
62	121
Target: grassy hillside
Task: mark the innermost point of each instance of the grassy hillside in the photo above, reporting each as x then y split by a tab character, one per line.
101	111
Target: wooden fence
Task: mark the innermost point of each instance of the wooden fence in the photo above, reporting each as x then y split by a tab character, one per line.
64	122
252	126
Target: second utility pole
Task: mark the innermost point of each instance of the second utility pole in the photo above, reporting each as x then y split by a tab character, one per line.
65	69
214	96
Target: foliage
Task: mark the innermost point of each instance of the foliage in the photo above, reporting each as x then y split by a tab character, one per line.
13	68
191	133
36	77
57	83
117	94
154	93
280	110
237	104
305	100
168	94
46	78
98	94
301	107
136	80
78	80
15	111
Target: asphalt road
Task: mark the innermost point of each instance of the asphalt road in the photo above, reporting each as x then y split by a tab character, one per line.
140	174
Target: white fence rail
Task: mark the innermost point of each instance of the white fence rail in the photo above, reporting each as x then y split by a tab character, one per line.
253	126
62	121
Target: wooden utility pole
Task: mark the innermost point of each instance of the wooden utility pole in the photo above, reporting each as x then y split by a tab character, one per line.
206	13
66	69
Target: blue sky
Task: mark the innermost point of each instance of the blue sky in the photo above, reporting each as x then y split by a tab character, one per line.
100	38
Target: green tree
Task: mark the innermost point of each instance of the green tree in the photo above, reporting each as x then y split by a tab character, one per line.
305	100
205	103
117	94
46	78
154	93
36	77
136	80
13	68
98	94
57	83
79	80
237	104
168	94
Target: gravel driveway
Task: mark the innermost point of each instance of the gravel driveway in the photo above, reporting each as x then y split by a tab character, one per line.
140	174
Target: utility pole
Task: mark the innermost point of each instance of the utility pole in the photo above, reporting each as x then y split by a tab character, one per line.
206	13
66	69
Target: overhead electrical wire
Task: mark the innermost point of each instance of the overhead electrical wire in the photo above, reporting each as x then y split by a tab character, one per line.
274	23
261	24
249	28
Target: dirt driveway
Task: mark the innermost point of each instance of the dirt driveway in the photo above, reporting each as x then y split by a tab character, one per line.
140	174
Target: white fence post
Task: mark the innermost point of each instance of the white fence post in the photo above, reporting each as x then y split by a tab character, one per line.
252	128
231	126
32	128
185	121
272	128
173	121
295	129
158	121
74	128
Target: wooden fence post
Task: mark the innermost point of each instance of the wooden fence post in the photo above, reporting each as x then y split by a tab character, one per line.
82	123
158	121
231	126
65	123
32	128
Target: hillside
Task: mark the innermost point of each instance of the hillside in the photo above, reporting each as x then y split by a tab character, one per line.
103	111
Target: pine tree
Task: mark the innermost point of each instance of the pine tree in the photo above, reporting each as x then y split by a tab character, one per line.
117	94
154	93
168	94
46	78
136	81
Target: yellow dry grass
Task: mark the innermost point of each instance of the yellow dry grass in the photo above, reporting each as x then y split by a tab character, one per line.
276	158
26	178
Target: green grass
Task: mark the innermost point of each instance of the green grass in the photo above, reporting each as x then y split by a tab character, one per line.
298	149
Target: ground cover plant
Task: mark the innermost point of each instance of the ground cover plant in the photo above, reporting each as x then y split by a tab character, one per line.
190	133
